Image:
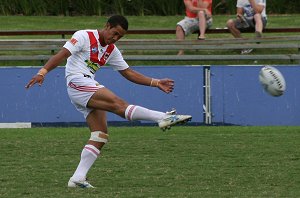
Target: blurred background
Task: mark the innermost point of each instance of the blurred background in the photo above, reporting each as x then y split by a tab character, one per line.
126	7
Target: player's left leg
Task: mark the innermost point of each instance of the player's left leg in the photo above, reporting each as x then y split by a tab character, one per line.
96	121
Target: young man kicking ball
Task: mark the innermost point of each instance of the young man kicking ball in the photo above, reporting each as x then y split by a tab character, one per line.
86	52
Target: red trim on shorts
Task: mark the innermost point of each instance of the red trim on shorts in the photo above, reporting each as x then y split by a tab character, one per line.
83	88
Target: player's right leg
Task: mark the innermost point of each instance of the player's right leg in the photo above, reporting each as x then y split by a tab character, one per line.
171	119
106	100
164	120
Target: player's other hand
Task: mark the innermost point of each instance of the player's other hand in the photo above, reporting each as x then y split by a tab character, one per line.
35	79
166	85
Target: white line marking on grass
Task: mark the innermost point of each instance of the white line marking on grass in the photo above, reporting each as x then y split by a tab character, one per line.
16	125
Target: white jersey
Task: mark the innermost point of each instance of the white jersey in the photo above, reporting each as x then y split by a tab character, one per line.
248	10
88	55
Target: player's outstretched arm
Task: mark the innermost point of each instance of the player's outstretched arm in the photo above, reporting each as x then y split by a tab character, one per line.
166	85
52	63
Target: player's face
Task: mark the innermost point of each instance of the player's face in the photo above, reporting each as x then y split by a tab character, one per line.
113	34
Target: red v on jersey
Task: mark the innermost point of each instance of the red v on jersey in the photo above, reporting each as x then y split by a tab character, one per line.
94	51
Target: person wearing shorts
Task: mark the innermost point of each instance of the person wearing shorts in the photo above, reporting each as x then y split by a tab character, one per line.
86	52
198	18
251	15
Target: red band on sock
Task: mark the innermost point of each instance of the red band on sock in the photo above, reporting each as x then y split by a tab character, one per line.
129	114
92	150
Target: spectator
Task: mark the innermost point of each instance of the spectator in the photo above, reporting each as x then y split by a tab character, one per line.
198	18
251	14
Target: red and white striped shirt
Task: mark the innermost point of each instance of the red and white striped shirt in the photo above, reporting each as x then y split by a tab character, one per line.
88	55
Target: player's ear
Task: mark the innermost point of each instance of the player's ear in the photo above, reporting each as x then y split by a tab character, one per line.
107	26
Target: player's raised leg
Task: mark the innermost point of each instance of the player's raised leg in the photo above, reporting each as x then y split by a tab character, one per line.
164	120
107	100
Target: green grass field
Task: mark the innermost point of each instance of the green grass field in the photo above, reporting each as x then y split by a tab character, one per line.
145	162
135	22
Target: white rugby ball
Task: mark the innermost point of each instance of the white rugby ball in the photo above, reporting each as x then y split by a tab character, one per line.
272	80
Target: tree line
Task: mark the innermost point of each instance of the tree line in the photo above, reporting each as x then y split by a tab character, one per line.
127	7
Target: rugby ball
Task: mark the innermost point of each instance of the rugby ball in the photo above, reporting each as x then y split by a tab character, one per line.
272	80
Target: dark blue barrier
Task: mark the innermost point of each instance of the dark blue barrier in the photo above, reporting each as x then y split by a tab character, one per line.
238	98
50	103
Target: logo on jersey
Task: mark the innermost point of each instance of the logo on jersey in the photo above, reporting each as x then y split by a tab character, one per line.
94	50
73	41
105	56
94	63
93	67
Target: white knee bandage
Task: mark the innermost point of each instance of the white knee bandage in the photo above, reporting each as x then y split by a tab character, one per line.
99	136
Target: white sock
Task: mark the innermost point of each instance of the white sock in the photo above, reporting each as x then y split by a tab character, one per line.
88	156
134	112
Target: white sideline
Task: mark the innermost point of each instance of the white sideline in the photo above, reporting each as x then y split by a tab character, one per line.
16	125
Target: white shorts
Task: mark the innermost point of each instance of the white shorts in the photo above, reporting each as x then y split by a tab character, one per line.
80	89
191	25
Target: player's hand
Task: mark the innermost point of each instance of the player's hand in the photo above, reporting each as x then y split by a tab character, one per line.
166	85
35	79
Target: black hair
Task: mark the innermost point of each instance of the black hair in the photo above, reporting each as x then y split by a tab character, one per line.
116	20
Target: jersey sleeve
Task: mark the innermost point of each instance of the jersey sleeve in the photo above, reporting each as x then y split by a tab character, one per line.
117	61
76	43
